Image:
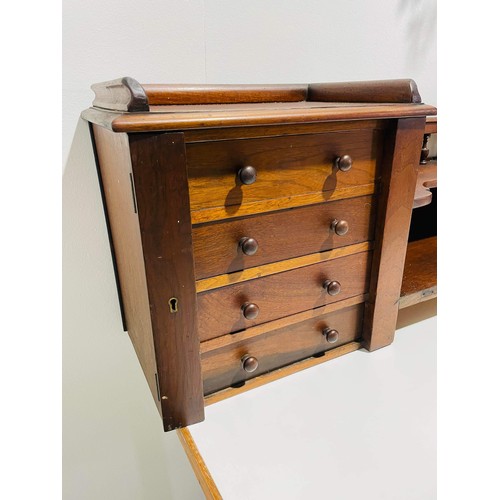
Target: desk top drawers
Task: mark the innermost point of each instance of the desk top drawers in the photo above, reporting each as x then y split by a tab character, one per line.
236	307
283	172
219	247
224	367
250	234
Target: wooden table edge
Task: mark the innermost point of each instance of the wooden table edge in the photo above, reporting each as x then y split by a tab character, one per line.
198	465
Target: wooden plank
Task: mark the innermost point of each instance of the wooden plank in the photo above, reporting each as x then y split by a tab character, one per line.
200	469
396	91
209	109
256	331
281	235
160	175
223	367
159	94
395	208
426	179
431	125
223	134
278	267
420	272
219	213
149	122
115	170
221	311
281	372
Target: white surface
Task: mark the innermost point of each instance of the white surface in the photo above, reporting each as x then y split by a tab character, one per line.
360	427
113	443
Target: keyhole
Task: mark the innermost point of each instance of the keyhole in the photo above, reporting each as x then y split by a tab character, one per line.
173	303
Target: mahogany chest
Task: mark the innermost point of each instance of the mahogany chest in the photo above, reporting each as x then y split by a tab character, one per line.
255	230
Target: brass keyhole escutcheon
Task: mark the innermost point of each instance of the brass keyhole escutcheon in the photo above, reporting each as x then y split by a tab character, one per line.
173	303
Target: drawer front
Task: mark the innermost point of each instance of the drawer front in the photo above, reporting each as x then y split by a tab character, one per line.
281	235
290	171
221	311
223	367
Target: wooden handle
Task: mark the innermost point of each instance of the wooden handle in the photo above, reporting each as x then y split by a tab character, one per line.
343	163
331	335
250	310
247	175
249	363
332	287
340	227
249	246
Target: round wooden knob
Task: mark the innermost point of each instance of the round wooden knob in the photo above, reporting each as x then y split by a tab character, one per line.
331	335
248	245
247	175
340	227
250	311
332	287
343	163
249	363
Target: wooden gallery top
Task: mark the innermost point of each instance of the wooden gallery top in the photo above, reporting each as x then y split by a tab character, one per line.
256	230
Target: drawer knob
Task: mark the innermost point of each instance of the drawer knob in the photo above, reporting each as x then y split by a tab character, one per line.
331	335
332	287
248	245
250	311
340	227
343	163
247	175
249	363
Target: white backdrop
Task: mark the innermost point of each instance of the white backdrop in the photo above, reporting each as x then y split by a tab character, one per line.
113	443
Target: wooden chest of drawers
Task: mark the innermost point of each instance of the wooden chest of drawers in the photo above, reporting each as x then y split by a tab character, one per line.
255	230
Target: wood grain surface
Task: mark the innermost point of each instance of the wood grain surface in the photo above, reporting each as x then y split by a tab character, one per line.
283	203
278	373
280	235
286	167
160	175
330	112
161	94
431	125
420	272
426	179
256	331
262	131
279	267
200	469
223	368
399	175
279	295
313	103
115	169
395	91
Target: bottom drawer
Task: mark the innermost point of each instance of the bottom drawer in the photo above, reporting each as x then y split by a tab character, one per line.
224	367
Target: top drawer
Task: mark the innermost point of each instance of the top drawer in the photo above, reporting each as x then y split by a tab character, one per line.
290	171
